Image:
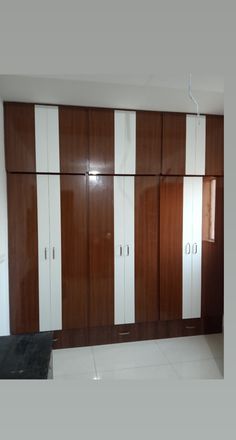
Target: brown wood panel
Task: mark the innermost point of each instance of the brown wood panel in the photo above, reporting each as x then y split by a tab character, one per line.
23	253
19	129
171	219
70	338
214	145
148	142
101	251
146	248
101	140
213	254
73	130
74	252
174	143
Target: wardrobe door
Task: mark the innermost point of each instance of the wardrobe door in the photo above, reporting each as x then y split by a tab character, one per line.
73	129
101	251
148	142
146	249
214	145
125	142
119	250
195	145
44	252
74	252
23	253
173	146
55	251
19	130
171	224
212	247
47	139
101	141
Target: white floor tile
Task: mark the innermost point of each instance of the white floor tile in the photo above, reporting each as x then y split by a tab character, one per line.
140	373
191	348
204	369
74	376
127	355
73	361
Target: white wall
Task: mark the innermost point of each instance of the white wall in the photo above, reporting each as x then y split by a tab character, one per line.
4	295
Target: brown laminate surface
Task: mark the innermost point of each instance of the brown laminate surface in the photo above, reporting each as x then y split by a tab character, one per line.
213	257
23	253
101	141
101	251
19	127
171	220
214	145
73	135
74	248
173	143
148	142
146	249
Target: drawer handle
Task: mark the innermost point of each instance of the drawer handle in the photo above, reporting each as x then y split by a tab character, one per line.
124	333
190	326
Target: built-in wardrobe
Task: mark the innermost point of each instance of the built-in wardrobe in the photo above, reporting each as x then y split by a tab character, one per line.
115	221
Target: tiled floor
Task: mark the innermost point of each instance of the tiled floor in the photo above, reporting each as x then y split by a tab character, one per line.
195	357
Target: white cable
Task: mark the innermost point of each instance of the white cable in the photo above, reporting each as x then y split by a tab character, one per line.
191	95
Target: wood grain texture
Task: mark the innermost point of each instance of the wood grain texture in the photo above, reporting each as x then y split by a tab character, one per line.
146	249
213	259
19	127
23	253
101	141
136	332
173	143
74	252
73	135
101	251
214	145
148	142
171	221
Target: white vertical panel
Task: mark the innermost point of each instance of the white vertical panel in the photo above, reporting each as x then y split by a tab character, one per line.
55	251
195	144
129	242
119	261
197	248
190	144
200	145
43	253
41	138
53	140
47	139
187	246
125	142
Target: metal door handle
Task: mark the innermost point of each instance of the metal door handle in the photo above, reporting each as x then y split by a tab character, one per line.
194	248
45	253
121	251
127	250
187	248
124	333
53	253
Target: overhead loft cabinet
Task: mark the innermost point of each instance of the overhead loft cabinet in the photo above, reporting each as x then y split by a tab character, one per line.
115	221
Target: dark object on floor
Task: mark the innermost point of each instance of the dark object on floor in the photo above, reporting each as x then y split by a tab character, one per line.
26	356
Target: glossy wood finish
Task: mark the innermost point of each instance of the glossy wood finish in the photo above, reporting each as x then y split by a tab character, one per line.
173	143
73	135
148	142
101	251
146	249
19	129
101	141
214	145
213	259
23	253
136	332
74	252
171	221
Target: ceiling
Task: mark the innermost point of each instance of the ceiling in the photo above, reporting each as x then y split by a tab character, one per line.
164	91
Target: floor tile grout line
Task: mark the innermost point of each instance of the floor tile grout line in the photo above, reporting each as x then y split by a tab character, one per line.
94	362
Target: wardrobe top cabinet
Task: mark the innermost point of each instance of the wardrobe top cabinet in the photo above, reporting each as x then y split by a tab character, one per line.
192	145
69	139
